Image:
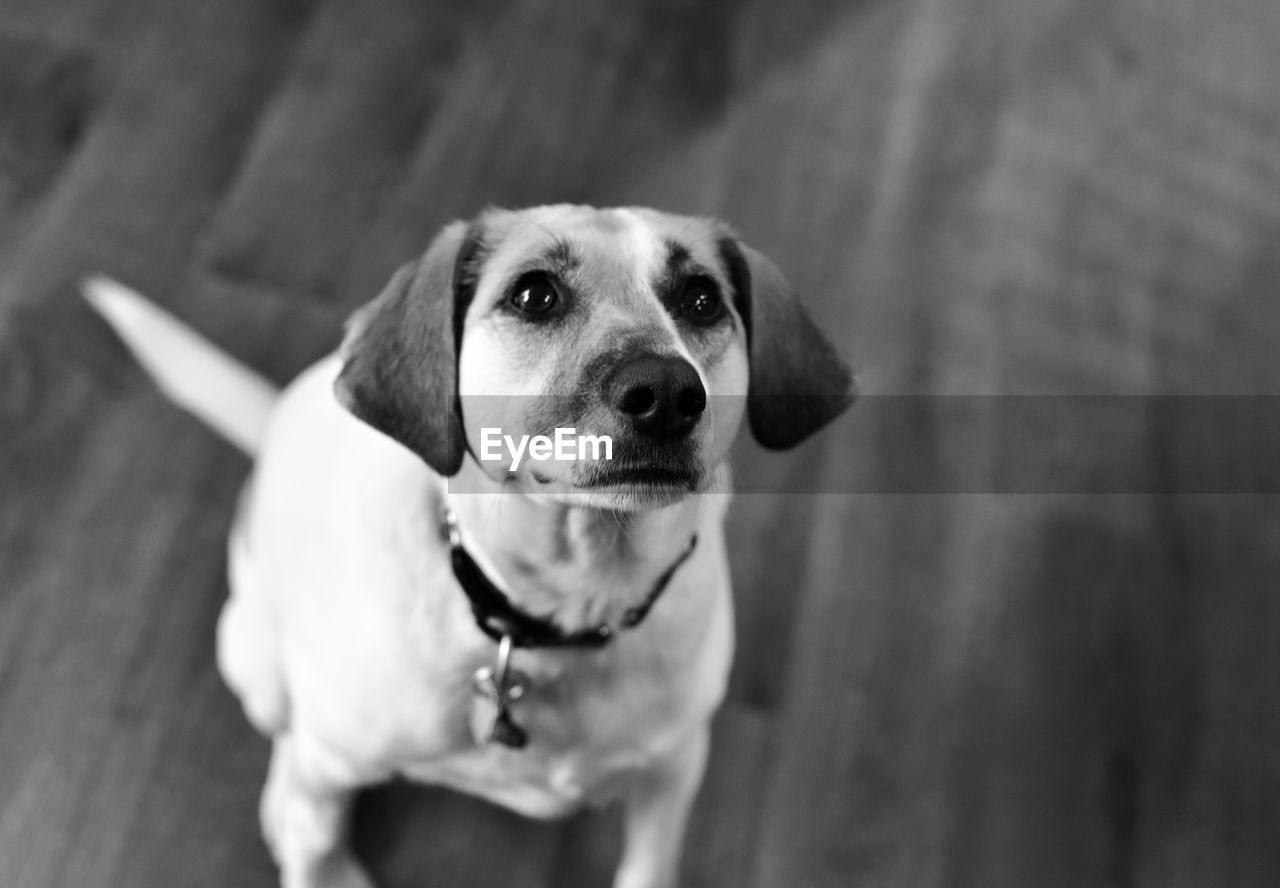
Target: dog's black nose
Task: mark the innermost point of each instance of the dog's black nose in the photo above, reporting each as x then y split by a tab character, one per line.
662	396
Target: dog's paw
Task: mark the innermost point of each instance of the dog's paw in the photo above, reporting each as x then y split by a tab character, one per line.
648	876
338	870
270	818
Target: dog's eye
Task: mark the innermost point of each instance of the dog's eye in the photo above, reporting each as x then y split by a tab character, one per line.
534	295
700	301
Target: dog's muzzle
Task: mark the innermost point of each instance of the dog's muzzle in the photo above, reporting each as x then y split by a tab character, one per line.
661	396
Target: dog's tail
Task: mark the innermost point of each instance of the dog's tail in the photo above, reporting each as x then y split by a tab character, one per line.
193	372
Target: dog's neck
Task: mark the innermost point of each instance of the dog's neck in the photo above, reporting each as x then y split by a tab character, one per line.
577	566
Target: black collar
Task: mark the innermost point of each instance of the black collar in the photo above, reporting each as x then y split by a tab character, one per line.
498	617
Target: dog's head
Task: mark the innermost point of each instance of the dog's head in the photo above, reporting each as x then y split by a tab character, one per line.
653	330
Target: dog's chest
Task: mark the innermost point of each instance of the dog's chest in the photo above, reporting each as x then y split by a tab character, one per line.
591	725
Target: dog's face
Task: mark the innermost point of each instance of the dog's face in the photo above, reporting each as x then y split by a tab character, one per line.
654	331
613	323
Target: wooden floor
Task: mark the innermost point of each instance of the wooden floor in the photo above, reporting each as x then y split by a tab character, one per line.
997	690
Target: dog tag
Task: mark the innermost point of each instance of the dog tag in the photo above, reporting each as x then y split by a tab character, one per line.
492	724
493	690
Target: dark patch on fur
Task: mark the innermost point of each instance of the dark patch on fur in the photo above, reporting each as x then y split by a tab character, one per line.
466	277
735	265
561	257
669	286
670	280
678	256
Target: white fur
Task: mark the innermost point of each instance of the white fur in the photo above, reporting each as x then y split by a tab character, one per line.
350	644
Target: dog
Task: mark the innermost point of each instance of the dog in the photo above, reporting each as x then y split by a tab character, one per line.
545	633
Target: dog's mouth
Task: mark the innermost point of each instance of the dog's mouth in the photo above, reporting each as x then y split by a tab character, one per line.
646	477
637	478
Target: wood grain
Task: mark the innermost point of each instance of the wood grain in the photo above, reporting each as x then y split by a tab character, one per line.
978	197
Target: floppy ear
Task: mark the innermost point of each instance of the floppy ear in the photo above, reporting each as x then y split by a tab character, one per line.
798	383
400	355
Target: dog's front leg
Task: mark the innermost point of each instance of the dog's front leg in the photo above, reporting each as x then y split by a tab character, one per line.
306	807
657	810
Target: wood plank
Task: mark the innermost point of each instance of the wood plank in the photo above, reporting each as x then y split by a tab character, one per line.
64	21
410	833
77	601
985	197
45	90
84	616
601	93
333	142
209	768
1026	710
153	160
720	847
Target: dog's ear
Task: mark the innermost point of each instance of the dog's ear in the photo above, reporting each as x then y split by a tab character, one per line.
400	354
798	382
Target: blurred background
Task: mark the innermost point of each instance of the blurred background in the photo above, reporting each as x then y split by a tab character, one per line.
1066	687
